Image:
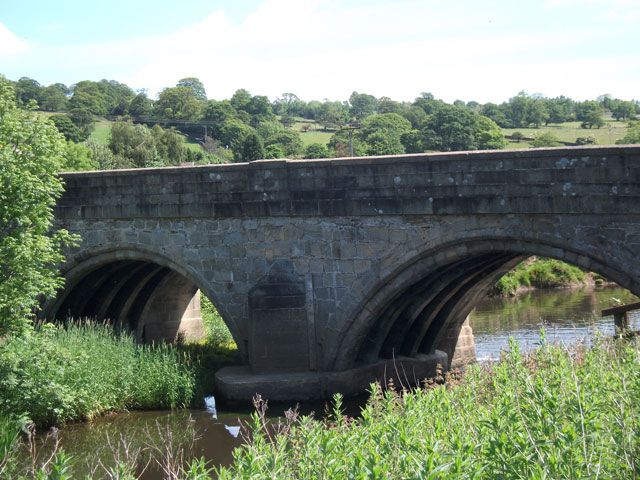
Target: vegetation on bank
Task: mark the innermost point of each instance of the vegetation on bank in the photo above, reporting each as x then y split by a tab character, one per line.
539	273
55	374
555	413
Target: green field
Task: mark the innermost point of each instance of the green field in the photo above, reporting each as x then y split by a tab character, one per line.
568	132
315	134
101	131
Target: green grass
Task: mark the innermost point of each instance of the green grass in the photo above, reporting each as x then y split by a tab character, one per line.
539	273
556	414
314	135
101	131
568	132
55	375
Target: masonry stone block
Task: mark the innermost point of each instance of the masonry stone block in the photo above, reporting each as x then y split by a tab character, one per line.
306	259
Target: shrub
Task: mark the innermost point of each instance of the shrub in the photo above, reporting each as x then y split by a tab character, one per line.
539	273
55	374
555	414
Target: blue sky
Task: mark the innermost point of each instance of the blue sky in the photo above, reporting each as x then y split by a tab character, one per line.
471	50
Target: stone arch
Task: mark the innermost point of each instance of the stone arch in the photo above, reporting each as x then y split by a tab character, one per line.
420	306
136	288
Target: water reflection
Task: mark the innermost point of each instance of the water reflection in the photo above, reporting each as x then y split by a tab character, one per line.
568	316
152	440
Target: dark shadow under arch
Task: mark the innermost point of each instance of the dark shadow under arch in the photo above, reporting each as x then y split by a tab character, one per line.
422	305
135	290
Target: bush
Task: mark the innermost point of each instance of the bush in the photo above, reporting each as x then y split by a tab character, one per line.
555	414
539	273
54	374
546	139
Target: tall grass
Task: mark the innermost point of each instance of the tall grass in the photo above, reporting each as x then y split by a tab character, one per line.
555	414
55	374
539	273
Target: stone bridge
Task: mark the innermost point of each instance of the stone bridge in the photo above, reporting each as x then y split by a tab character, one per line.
332	273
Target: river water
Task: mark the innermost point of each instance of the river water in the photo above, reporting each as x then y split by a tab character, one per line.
568	316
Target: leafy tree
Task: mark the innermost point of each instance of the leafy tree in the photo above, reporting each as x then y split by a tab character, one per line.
339	144
179	103
234	133
141	106
382	134
116	96
386	105
252	149
69	129
104	158
289	142
362	105
428	103
519	110
54	98
332	114
496	113
77	157
31	152
260	109
546	139
134	142
169	145
537	113
316	150
274	151
240	100
451	128
590	114
27	90
623	110
632	136
288	104
145	147
415	115
88	99
195	85
219	112
560	109
312	110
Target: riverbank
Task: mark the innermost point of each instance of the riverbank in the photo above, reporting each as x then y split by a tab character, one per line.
543	273
556	413
52	374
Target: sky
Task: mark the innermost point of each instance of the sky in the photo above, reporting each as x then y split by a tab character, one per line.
483	50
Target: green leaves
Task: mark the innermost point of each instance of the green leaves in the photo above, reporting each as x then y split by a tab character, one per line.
561	414
31	154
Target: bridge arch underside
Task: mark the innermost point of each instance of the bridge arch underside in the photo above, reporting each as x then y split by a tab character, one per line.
420	308
153	301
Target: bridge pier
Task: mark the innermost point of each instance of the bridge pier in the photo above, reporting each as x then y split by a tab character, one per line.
238	384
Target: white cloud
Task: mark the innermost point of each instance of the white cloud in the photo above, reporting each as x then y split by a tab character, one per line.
328	48
11	44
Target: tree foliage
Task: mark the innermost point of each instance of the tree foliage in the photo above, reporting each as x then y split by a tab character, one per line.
453	128
31	153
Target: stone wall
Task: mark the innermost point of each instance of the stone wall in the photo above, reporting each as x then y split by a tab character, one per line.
307	260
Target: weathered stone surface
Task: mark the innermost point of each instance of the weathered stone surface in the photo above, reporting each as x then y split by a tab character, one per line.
332	265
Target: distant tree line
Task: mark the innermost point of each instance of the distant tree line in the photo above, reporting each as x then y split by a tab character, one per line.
248	127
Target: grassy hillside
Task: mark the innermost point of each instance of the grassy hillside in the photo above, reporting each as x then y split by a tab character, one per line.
568	132
314	134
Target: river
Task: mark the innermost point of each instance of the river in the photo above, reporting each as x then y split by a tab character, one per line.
568	316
